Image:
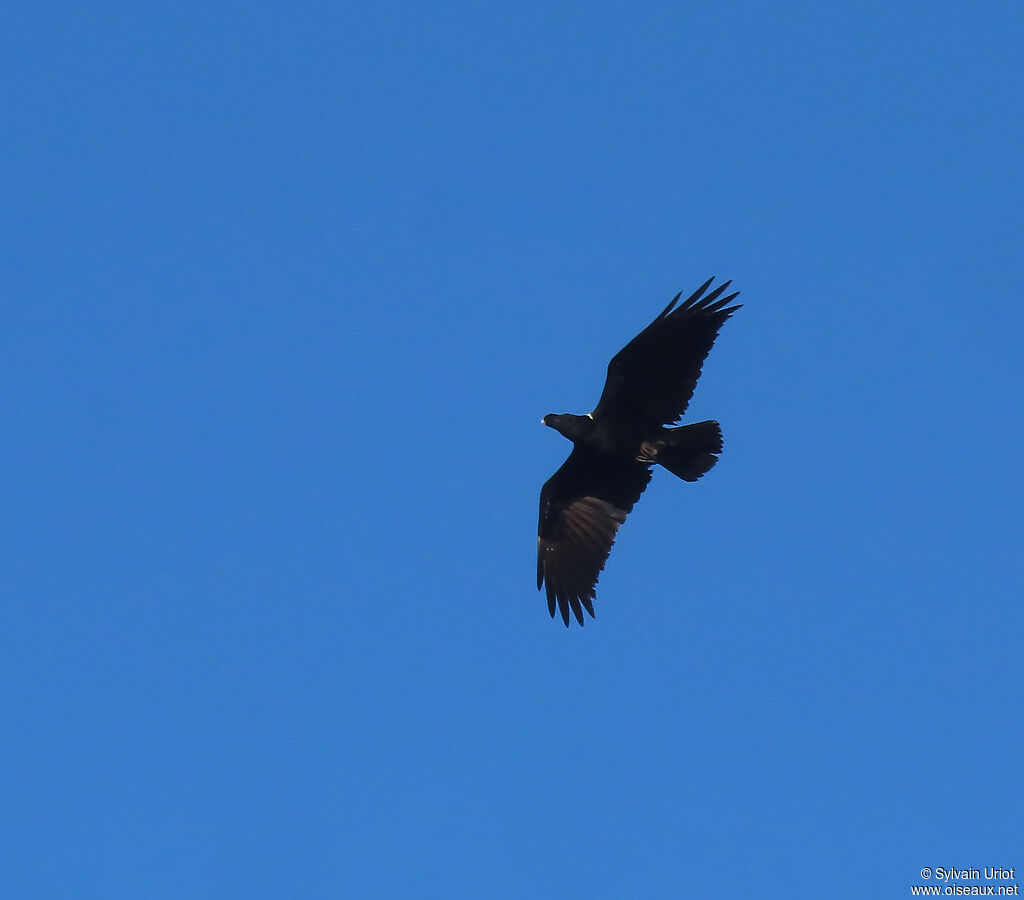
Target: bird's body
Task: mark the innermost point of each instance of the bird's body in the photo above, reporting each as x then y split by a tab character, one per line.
649	385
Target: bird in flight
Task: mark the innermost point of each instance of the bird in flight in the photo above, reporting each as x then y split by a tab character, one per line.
649	384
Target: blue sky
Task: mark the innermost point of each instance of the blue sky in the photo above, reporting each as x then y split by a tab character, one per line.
288	288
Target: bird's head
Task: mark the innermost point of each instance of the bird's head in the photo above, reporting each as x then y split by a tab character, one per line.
568	425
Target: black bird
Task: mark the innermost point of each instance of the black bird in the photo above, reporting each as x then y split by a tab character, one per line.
649	385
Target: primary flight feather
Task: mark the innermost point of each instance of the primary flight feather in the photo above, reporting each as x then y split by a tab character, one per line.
649	385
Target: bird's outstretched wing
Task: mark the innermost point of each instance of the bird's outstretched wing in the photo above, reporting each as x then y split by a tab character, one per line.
581	508
651	380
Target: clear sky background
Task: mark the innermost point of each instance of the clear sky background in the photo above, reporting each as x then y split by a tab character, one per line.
286	291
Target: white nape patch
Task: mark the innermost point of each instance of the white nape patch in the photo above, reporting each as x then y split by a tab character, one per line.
590	415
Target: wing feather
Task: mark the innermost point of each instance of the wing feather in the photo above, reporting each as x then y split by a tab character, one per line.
581	508
651	380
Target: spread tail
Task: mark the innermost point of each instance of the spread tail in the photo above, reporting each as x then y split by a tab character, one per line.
687	452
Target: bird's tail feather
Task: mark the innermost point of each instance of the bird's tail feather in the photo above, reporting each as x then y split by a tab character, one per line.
688	451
